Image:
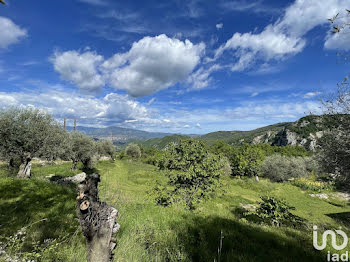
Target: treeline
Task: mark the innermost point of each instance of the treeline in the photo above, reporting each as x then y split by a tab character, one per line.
27	133
193	168
243	160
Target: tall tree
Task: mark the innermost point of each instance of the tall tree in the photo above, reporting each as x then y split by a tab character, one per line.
192	173
335	144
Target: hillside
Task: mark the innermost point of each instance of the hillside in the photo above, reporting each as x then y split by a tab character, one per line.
304	132
237	137
153	233
161	142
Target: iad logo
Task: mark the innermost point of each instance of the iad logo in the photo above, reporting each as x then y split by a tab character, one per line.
333	237
332	257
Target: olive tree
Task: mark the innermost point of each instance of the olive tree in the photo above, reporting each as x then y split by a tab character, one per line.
192	173
26	133
133	150
81	149
106	148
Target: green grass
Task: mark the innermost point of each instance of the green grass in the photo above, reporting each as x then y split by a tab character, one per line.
153	233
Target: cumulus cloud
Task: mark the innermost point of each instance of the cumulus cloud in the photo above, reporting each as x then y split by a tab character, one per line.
80	69
152	64
10	33
283	38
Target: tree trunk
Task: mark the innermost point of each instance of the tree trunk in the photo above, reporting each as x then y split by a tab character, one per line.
97	221
25	167
74	165
256	178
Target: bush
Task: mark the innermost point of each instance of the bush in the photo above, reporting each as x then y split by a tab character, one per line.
274	211
106	148
153	156
281	168
311	184
133	150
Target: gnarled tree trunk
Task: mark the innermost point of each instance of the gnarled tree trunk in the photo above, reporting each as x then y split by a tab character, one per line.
97	220
25	167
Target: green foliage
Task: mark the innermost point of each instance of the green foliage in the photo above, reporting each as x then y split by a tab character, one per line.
133	151
81	149
313	185
106	148
29	132
334	151
192	172
161	143
246	160
274	211
154	157
280	168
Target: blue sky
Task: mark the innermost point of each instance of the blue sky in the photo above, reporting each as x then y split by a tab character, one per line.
175	66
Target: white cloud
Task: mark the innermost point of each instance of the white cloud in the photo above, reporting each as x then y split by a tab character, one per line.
311	94
284	37
250	6
10	33
201	78
254	94
150	102
80	69
152	64
116	109
219	26
109	110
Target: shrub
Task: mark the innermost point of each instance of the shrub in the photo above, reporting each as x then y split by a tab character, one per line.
106	148
274	211
310	184
153	156
133	150
281	168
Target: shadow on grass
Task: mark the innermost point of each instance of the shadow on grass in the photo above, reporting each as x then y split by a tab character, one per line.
342	218
242	242
47	210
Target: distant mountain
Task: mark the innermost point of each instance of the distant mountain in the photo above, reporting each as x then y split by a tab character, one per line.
119	135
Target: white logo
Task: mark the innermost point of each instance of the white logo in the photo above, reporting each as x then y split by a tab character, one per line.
333	238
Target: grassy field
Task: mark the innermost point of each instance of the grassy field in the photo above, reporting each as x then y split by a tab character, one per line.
46	212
